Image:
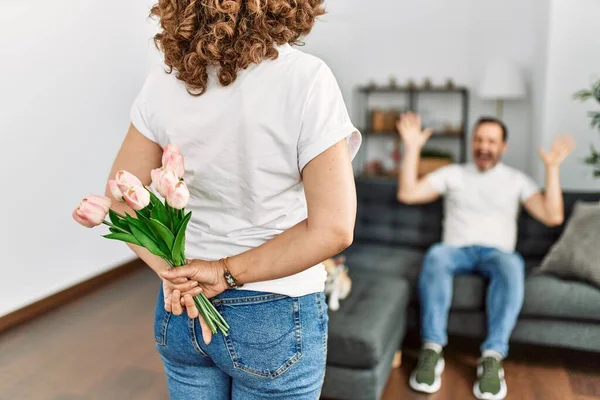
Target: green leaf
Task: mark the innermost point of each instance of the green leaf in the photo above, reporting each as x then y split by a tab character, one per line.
174	217
183	217
147	242
165	233
595	119
118	221
159	211
153	198
123	237
140	225
596	90
114	230
178	251
165	247
144	211
582	95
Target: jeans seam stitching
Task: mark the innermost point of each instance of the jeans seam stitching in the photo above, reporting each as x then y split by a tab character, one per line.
320	301
162	340
298	326
227	341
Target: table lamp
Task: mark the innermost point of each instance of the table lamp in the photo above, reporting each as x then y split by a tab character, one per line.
502	80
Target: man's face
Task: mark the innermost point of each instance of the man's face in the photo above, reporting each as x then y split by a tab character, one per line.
488	145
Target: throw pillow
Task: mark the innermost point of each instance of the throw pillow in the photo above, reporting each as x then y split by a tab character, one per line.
576	255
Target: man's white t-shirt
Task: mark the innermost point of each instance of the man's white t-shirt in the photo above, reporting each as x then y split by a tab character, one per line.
481	208
245	146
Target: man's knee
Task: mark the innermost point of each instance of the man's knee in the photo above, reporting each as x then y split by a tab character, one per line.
437	259
510	267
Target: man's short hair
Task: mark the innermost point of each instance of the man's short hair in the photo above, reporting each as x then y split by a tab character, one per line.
493	120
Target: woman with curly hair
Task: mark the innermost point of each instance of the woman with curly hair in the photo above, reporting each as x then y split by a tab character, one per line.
268	145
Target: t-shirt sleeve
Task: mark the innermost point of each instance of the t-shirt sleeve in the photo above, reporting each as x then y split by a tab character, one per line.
528	188
325	120
140	117
440	178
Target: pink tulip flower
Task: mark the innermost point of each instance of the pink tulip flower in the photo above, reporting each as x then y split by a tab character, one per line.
166	182
168	150
155	175
175	163
125	180
92	211
114	189
137	197
179	197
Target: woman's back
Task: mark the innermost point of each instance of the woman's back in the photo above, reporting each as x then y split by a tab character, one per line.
245	146
265	135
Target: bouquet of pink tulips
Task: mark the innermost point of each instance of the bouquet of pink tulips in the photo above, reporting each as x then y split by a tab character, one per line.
159	226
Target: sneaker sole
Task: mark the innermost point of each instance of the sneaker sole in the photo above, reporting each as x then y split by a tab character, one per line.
437	382
490	396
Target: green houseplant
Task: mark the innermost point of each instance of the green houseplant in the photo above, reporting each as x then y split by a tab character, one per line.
594	93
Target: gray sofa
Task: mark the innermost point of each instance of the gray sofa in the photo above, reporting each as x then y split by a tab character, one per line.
390	241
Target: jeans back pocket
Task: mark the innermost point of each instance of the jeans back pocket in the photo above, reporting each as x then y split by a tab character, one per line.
265	336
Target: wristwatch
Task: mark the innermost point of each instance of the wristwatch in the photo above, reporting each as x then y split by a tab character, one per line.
231	281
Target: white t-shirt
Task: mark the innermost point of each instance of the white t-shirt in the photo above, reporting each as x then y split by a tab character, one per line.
245	146
481	208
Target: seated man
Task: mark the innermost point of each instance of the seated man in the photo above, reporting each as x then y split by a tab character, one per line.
479	235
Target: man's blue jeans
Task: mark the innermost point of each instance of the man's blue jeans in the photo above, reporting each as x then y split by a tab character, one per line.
506	274
276	349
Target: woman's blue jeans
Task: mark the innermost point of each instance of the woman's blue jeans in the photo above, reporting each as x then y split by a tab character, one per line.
276	349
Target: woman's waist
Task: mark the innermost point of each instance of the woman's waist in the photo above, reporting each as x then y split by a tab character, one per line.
206	246
309	281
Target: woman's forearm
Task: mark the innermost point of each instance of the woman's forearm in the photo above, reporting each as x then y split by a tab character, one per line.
291	252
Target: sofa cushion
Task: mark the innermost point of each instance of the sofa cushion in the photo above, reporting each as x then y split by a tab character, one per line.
469	293
405	262
576	255
367	320
548	296
397	261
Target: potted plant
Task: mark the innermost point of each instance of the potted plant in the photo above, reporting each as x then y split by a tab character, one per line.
594	93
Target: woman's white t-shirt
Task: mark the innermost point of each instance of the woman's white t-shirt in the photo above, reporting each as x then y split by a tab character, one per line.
245	146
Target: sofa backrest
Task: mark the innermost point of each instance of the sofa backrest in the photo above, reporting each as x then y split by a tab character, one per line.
382	219
535	239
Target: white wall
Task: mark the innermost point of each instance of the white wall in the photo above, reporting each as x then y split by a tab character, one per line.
539	84
69	72
572	63
436	39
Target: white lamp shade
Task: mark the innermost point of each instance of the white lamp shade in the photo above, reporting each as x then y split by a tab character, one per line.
502	80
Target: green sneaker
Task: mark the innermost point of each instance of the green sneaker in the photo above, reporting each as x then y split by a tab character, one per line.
490	383
427	377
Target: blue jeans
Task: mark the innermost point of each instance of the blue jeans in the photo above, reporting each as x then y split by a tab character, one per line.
276	349
506	274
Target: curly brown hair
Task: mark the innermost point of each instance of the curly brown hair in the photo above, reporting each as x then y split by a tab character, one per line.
230	34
